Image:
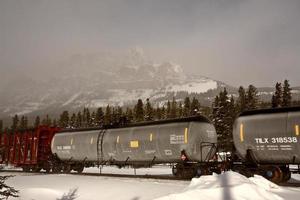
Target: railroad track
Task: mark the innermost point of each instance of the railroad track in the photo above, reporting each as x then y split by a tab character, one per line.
146	176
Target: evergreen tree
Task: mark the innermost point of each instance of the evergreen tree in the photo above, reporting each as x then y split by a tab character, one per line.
168	111
180	110
158	113
54	123
186	107
108	116
163	113
93	119
79	120
223	116
241	101
277	97
15	123
129	115
139	111
195	106
23	123
251	98
286	94
64	119
148	111
73	121
173	111
1	126
99	117
37	122
46	121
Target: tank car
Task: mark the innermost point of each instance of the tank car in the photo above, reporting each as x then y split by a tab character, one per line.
187	142
269	140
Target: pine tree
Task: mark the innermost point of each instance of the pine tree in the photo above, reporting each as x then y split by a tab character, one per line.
37	122
241	101
99	117
7	191
108	116
195	106
180	110
93	120
139	111
158	113
223	116
129	115
79	120
173	111
186	107
64	119
47	121
1	126
15	123
163	113
286	94
251	98
23	123
73	121
148	111
54	123
168	111
277	97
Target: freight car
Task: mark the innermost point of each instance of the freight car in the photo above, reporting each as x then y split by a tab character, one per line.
267	141
28	149
189	142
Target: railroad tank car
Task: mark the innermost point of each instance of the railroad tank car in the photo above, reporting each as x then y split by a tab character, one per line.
271	135
168	141
267	141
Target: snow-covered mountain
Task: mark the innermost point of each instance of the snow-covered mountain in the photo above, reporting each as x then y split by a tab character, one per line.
87	81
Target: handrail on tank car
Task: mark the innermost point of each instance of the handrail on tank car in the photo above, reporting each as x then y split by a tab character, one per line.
209	154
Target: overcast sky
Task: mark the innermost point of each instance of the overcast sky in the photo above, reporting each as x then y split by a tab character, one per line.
239	42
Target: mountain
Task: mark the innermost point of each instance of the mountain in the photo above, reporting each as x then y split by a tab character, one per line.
91	81
96	81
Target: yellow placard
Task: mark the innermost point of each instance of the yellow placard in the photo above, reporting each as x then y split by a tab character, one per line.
186	135
297	130
151	137
242	132
71	141
92	140
134	144
118	139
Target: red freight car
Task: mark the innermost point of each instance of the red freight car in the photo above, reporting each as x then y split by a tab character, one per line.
29	149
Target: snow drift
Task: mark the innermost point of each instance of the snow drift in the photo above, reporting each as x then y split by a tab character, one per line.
230	185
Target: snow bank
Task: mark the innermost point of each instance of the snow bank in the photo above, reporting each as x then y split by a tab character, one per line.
229	185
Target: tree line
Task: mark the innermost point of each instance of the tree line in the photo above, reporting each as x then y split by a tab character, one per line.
223	111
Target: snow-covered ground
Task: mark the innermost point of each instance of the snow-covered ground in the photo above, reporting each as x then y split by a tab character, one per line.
229	185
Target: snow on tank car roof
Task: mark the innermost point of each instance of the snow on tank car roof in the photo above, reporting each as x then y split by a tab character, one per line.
197	118
270	111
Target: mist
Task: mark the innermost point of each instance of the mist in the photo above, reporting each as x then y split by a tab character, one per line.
239	42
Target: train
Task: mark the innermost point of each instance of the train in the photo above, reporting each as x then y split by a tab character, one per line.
266	142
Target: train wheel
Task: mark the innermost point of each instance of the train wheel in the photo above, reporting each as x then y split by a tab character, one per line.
56	169
36	169
26	168
286	174
274	174
79	169
67	169
174	171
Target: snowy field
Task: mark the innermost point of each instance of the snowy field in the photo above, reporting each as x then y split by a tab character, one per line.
229	185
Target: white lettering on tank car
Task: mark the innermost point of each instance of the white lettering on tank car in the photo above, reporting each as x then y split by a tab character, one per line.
176	139
275	140
150	151
168	152
210	133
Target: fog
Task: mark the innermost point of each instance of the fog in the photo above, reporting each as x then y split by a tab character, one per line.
239	42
